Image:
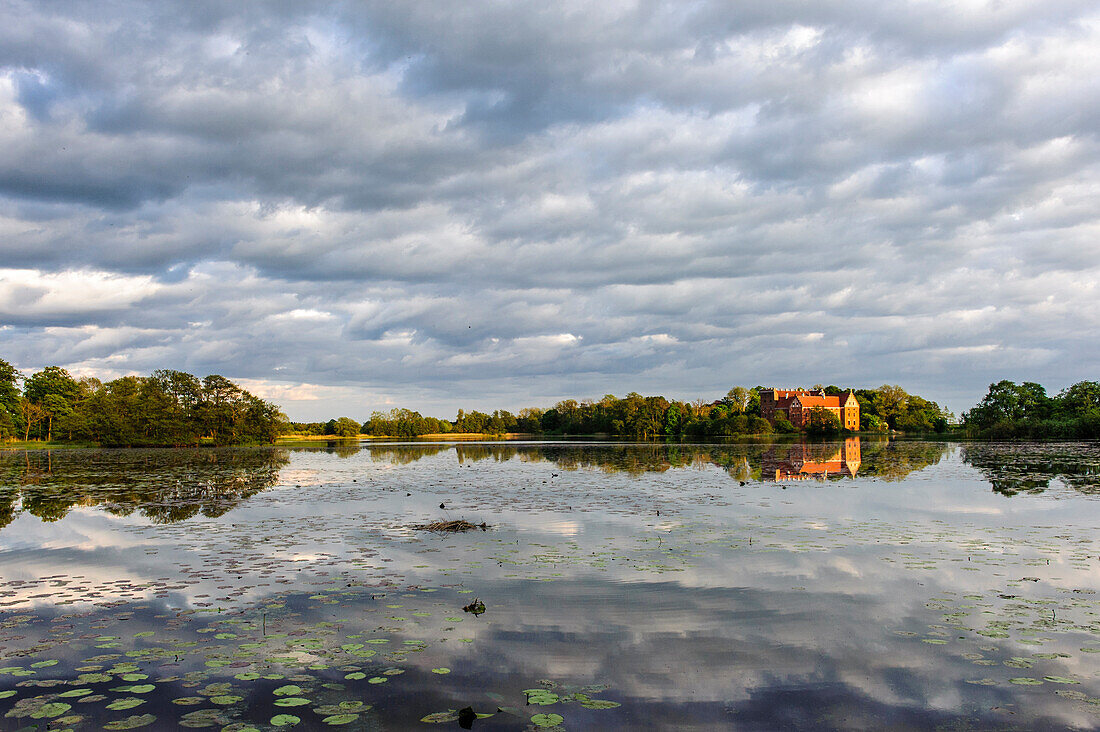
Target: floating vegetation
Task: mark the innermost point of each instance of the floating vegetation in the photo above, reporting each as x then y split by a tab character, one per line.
457	526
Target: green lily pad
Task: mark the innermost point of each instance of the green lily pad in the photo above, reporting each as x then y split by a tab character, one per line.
291	701
226	699
541	697
285	720
8	693
125	703
355	675
137	688
288	690
93	678
1061	680
599	704
134	722
51	709
441	670
338	719
440	717
377	680
1025	681
547	720
71	693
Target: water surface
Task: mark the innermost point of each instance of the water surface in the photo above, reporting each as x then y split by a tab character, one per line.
865	584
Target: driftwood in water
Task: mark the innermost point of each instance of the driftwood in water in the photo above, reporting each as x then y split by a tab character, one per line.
457	526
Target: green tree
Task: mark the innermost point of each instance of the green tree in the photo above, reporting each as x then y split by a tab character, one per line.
346	427
1080	399
737	399
55	392
674	419
890	402
10	410
822	422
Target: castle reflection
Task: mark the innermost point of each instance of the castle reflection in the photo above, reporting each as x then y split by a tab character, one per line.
807	460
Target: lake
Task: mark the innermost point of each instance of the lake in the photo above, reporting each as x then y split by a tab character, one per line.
863	584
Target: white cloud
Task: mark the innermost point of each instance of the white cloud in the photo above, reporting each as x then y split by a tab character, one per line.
359	206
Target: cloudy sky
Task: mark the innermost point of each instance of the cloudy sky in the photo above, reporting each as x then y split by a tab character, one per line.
352	206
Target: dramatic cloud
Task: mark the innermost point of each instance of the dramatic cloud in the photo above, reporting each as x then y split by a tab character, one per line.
488	204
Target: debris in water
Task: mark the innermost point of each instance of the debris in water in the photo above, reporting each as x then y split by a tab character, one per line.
456	526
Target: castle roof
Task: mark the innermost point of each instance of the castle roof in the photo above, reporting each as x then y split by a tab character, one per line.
809	401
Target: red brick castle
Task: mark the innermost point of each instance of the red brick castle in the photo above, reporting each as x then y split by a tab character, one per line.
795	405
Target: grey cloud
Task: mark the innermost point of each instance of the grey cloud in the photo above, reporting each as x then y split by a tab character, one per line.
519	202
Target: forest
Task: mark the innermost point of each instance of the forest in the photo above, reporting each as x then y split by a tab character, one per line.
646	417
1010	410
167	408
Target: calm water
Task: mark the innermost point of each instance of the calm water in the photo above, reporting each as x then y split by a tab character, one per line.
857	585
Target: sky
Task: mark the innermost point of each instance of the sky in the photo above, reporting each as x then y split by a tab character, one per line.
348	207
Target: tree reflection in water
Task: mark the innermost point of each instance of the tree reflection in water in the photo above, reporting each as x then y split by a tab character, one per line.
168	485
1030	467
164	485
878	457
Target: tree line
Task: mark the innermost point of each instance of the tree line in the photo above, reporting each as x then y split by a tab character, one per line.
645	417
167	408
1011	410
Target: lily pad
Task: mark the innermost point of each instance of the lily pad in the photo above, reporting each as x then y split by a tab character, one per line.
338	719
125	703
547	720
291	701
285	720
71	693
440	717
134	722
599	704
137	688
51	709
288	690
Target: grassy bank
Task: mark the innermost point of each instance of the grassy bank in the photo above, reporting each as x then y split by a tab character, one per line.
43	445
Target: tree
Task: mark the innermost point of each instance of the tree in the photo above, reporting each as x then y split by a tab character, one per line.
1000	404
870	422
674	418
31	415
1079	399
738	398
55	392
346	427
890	402
9	400
822	422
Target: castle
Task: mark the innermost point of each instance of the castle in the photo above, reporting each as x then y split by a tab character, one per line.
804	461
796	404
